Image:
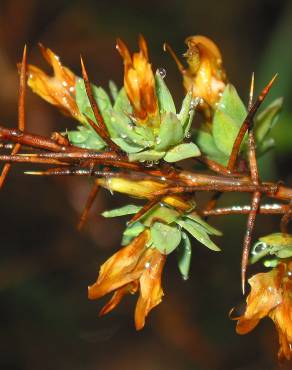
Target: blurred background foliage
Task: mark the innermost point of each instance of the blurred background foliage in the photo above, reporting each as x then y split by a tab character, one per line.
45	266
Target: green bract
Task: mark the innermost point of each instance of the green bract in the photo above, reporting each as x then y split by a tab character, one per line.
216	140
160	137
278	245
184	254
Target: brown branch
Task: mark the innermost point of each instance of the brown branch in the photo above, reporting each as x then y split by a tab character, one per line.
91	197
145	209
256	197
102	129
21	114
246	123
266	209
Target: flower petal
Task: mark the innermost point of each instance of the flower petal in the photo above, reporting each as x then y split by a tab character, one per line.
265	295
118	295
205	75
59	89
282	317
150	285
139	80
118	270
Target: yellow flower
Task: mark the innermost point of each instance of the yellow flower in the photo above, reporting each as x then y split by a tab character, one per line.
131	268
205	75
271	295
58	89
139	81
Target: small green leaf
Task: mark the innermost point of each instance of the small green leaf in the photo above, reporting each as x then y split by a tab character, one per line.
170	133
285	252
199	233
85	138
147	134
277	239
225	130
123	128
274	244
227	120
126	146
184	254
182	151
131	232
147	155
113	90
207	145
122	211
100	96
208	228
265	146
164	237
184	114
122	104
267	119
165	101
231	104
160	212
135	229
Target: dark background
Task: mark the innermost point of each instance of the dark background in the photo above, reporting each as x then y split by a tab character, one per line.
45	264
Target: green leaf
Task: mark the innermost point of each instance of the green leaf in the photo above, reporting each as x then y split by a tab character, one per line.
274	244
277	239
135	229
85	138
122	103
132	231
208	228
184	255
199	233
126	146
265	146
182	151
207	145
165	101
285	252
225	131
184	114
147	155
170	133
100	96
123	128
122	211
160	212
265	121
227	120
231	104
164	237
113	90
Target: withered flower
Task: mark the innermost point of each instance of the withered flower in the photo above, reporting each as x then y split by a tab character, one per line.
58	89
271	295
131	268
139	81
205	75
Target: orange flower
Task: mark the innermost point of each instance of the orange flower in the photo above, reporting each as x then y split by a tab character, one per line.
139	80
132	267
205	75
59	89
271	295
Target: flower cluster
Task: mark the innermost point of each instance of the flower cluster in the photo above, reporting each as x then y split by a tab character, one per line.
142	122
